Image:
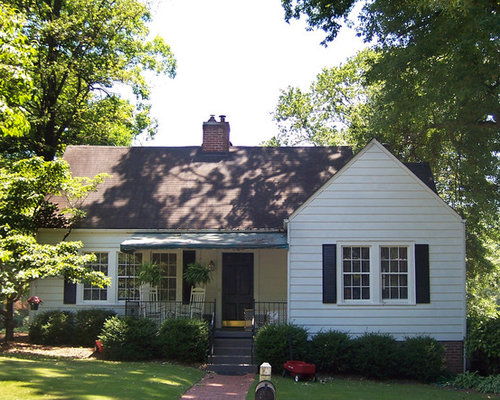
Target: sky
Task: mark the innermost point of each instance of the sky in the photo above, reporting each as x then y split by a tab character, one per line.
233	57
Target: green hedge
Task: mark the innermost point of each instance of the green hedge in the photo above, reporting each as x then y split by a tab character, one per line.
331	351
89	325
53	327
422	359
184	339
128	339
372	355
272	345
65	327
483	344
376	356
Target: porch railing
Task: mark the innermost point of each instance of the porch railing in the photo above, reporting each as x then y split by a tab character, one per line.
159	311
269	312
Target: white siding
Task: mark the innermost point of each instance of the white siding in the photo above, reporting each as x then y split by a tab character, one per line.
375	199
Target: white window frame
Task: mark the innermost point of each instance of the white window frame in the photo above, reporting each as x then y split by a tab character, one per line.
178	271
376	273
111	296
118	300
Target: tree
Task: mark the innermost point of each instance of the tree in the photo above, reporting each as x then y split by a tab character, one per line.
337	104
27	190
434	96
15	84
83	48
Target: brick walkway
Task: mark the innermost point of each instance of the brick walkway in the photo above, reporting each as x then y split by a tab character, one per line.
220	387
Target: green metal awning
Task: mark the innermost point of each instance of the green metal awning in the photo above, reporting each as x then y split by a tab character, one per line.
212	240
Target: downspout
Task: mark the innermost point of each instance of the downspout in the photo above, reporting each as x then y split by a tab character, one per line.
286	225
464	254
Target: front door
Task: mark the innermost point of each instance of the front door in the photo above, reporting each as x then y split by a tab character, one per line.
237	287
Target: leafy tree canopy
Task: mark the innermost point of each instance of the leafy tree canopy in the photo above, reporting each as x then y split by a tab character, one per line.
27	189
15	83
430	91
82	49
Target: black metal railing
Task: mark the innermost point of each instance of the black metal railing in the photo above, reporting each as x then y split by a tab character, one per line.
212	334
159	311
269	312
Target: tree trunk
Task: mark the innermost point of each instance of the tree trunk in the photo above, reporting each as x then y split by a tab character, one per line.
9	321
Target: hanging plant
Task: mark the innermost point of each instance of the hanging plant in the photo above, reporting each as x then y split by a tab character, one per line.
149	273
197	273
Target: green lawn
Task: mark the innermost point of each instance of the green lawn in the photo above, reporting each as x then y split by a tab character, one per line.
357	389
23	377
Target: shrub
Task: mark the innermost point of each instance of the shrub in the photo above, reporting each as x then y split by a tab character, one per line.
331	352
52	327
489	384
184	339
128	339
471	380
483	344
89	324
422	358
376	356
271	344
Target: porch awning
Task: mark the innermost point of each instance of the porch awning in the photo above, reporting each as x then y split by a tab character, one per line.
212	240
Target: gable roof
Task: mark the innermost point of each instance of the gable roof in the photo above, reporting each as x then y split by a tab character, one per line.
421	171
184	188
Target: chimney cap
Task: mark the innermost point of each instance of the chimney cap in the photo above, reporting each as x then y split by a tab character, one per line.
222	118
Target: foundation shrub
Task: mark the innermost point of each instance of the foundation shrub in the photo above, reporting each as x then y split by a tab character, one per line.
184	339
483	344
474	381
53	328
376	356
89	324
128	339
422	358
331	351
272	344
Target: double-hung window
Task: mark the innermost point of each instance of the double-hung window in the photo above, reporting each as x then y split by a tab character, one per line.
376	273
356	272
92	292
394	270
168	282
128	270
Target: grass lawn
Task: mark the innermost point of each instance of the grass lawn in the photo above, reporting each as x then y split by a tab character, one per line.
356	389
23	377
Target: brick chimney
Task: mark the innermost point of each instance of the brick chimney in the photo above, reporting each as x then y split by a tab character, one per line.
216	135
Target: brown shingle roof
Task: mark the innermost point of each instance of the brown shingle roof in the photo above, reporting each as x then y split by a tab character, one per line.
184	188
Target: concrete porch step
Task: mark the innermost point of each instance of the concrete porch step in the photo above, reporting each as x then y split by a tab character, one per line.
232	369
232	353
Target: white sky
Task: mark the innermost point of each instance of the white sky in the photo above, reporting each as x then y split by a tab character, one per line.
233	57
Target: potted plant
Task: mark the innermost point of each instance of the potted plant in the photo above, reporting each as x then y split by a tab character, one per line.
34	302
196	274
149	273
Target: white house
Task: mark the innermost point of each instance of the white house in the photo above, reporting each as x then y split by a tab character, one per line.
310	235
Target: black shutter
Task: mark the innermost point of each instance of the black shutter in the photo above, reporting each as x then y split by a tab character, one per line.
188	257
69	292
422	273
329	273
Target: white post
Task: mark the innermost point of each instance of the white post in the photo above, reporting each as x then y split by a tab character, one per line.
265	372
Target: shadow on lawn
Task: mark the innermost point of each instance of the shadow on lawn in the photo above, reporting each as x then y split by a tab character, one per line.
78	379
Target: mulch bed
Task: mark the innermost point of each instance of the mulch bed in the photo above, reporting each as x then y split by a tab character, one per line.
21	345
